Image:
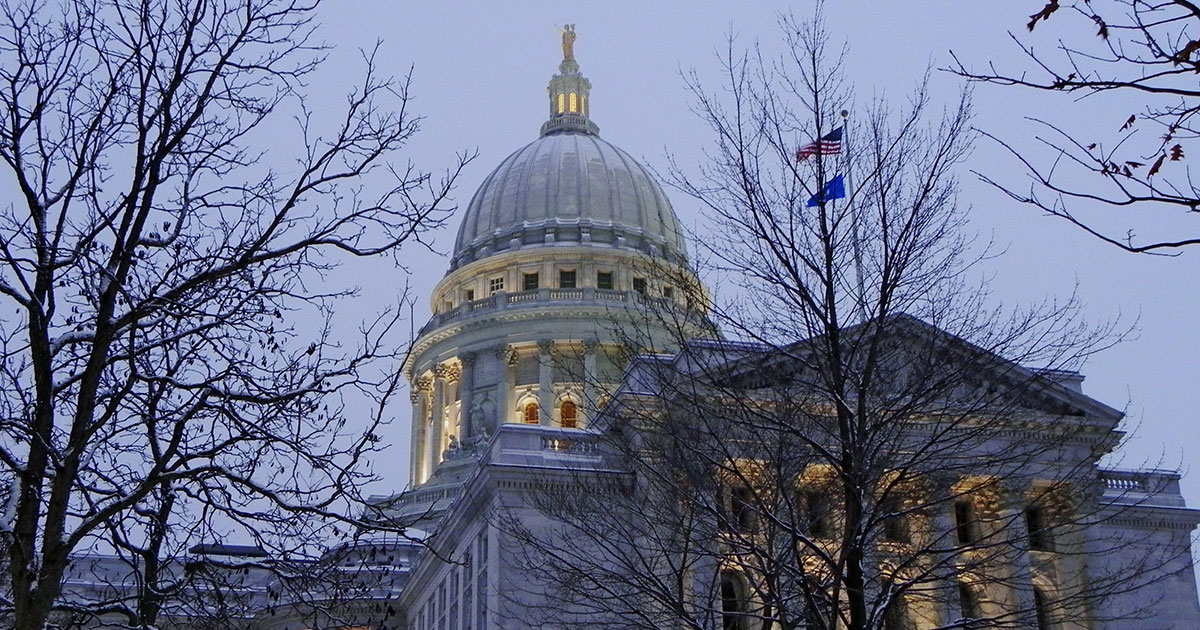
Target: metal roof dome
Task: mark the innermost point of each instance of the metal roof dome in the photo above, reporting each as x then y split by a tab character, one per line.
569	187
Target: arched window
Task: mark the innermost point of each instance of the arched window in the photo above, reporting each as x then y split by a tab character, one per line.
569	414
531	413
561	103
895	616
734	604
968	602
1041	608
574	103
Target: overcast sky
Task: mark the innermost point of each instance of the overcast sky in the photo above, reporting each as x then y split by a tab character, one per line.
480	73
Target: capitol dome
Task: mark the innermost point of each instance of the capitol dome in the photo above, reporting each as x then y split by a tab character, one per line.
569	187
567	249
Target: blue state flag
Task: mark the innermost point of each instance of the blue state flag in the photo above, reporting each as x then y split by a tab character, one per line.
834	189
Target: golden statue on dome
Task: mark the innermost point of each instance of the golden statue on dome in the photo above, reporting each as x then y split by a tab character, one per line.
568	41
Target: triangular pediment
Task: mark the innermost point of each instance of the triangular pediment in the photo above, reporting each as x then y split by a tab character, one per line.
915	359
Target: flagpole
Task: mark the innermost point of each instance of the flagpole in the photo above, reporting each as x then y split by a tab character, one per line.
854	232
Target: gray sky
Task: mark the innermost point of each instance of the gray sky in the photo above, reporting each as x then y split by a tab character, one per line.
480	72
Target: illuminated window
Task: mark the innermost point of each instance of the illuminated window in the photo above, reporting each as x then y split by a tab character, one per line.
496	284
531	413
561	104
574	103
570	414
604	280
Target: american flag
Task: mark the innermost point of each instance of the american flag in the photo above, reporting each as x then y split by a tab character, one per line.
829	144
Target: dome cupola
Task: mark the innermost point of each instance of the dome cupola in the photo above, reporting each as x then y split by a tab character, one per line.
569	91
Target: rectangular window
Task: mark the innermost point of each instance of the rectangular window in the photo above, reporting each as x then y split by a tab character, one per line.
668	292
566	279
742	508
1039	533
639	285
895	521
604	280
470	294
736	508
531	281
496	284
816	513
964	521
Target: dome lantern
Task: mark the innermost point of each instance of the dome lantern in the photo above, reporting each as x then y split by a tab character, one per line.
569	93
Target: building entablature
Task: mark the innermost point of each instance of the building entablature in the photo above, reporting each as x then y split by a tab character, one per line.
564	266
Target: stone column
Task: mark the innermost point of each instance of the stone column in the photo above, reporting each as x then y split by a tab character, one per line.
590	403
419	395
1012	517
507	385
945	535
437	418
466	386
545	380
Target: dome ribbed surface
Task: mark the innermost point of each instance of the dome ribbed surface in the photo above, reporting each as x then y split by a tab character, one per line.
569	189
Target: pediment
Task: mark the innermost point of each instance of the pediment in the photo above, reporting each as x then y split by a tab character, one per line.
917	360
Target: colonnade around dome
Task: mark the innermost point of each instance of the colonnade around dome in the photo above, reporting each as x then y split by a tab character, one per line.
459	402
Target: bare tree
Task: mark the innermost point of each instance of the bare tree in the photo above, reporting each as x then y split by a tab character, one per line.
172	367
1143	56
868	451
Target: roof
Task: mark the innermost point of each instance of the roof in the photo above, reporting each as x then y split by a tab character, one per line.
569	187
